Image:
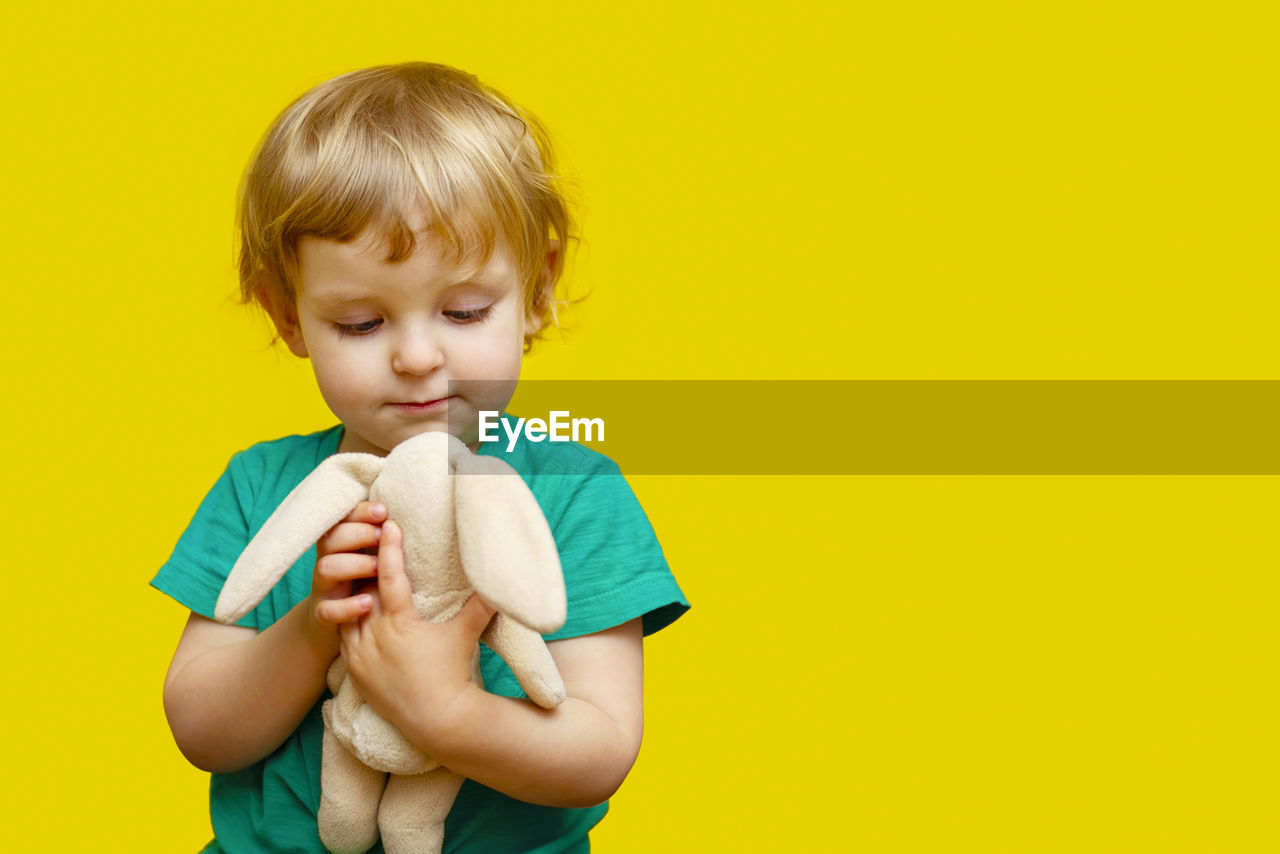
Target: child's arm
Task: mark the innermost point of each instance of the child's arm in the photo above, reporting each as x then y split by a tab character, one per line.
417	675
232	694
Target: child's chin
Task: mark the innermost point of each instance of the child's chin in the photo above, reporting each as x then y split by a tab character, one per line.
469	440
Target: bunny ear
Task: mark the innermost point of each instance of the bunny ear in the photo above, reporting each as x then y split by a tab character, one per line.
505	544
314	506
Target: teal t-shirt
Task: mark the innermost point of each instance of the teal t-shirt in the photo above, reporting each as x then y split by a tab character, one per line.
614	572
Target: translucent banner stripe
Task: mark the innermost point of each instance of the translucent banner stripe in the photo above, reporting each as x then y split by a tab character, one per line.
914	427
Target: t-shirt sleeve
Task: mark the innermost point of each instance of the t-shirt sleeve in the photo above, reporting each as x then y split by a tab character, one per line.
206	551
613	566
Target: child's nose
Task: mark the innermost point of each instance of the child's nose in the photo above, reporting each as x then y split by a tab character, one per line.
417	352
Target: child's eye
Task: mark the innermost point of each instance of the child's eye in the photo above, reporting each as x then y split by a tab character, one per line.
362	328
473	315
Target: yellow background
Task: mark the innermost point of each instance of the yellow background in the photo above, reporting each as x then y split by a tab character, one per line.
799	190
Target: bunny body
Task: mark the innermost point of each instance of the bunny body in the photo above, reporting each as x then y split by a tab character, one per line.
470	525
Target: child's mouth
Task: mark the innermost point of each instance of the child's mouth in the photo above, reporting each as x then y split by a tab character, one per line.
424	406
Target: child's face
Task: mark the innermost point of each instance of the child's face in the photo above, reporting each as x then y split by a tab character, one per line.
386	340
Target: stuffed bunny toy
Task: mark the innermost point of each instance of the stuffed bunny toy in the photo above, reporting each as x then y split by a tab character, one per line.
470	524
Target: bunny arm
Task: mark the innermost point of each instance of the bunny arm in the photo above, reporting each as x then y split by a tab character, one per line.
526	653
506	546
314	506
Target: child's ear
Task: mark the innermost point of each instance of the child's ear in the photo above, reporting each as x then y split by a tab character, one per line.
284	314
532	323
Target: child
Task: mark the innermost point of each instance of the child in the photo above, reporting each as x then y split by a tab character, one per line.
403	229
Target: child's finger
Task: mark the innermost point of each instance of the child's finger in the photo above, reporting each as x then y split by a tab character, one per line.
341	611
349	537
393	584
346	566
368	512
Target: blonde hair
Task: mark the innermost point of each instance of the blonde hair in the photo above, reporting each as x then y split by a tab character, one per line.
378	148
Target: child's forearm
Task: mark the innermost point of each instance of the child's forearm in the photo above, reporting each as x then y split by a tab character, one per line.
574	756
234	695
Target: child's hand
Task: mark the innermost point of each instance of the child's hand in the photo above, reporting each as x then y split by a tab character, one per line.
339	562
411	671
